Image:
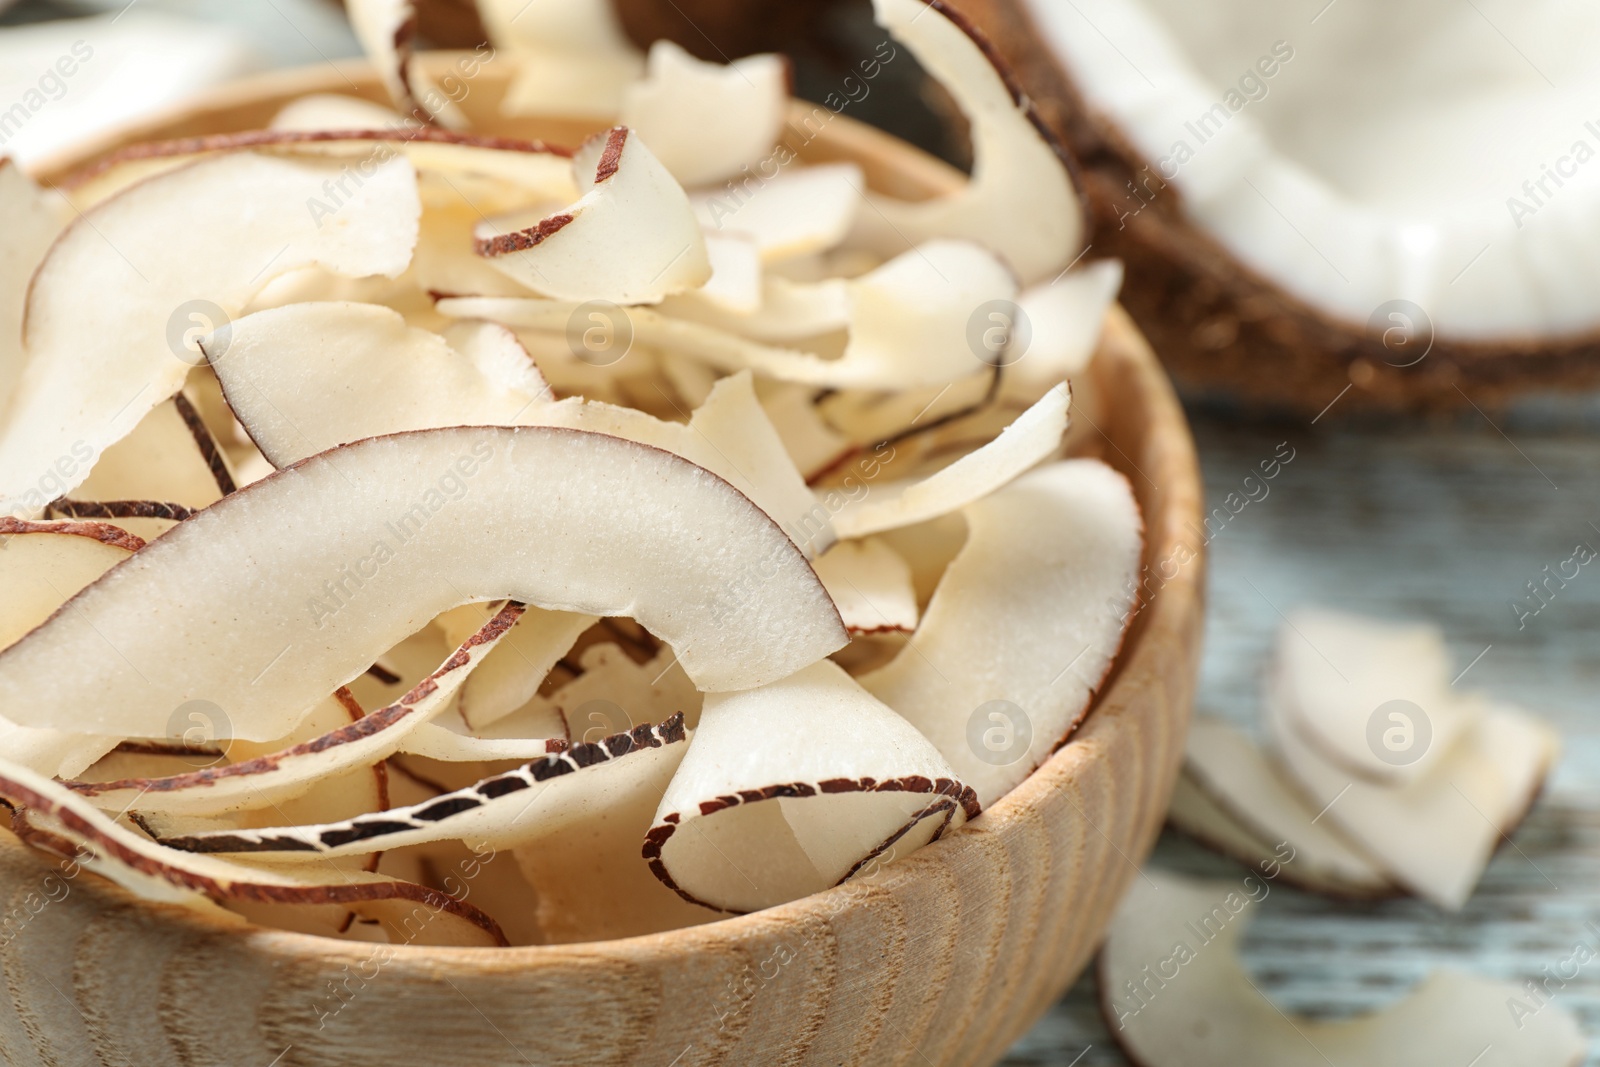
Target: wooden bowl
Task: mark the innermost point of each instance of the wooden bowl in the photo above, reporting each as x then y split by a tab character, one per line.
945	957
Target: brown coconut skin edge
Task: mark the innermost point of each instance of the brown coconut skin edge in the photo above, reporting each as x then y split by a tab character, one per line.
942	958
1224	331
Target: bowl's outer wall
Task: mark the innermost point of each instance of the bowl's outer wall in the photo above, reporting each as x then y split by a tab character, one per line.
943	958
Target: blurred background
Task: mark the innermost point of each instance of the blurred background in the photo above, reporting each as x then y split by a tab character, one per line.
1444	518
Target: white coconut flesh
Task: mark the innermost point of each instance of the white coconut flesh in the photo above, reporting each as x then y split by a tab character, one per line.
1376	697
261	775
1033	437
573	58
631	238
382	524
1024	625
1382	152
96	367
790	788
43	564
1435	833
1013	163
794	212
908	324
1175	994
60	822
385	29
507	809
306	377
1245	788
871	585
30	219
750	96
334	111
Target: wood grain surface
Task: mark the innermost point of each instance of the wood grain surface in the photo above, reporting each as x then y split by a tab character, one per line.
942	958
1444	521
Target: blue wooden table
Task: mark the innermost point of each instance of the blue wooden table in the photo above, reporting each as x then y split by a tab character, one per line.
1448	522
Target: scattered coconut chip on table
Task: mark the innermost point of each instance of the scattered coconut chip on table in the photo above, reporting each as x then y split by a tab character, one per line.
1435	833
1174	996
793	787
1238	785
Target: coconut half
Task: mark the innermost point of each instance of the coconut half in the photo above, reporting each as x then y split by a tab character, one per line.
1175	994
610	527
792	788
96	367
630	238
1316	194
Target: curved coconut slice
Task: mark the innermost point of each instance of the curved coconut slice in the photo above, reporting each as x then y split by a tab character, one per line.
334	111
262	776
170	456
1032	438
536	168
795	212
56	820
30	219
97	366
629	239
1175	993
1373	696
1021	201
871	586
575	58
512	673
707	121
590	882
734	287
1024	626
507	809
1065	319
43	564
1228	768
786	310
910	322
810	441
791	788
307	377
607	527
385	29
1437	832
